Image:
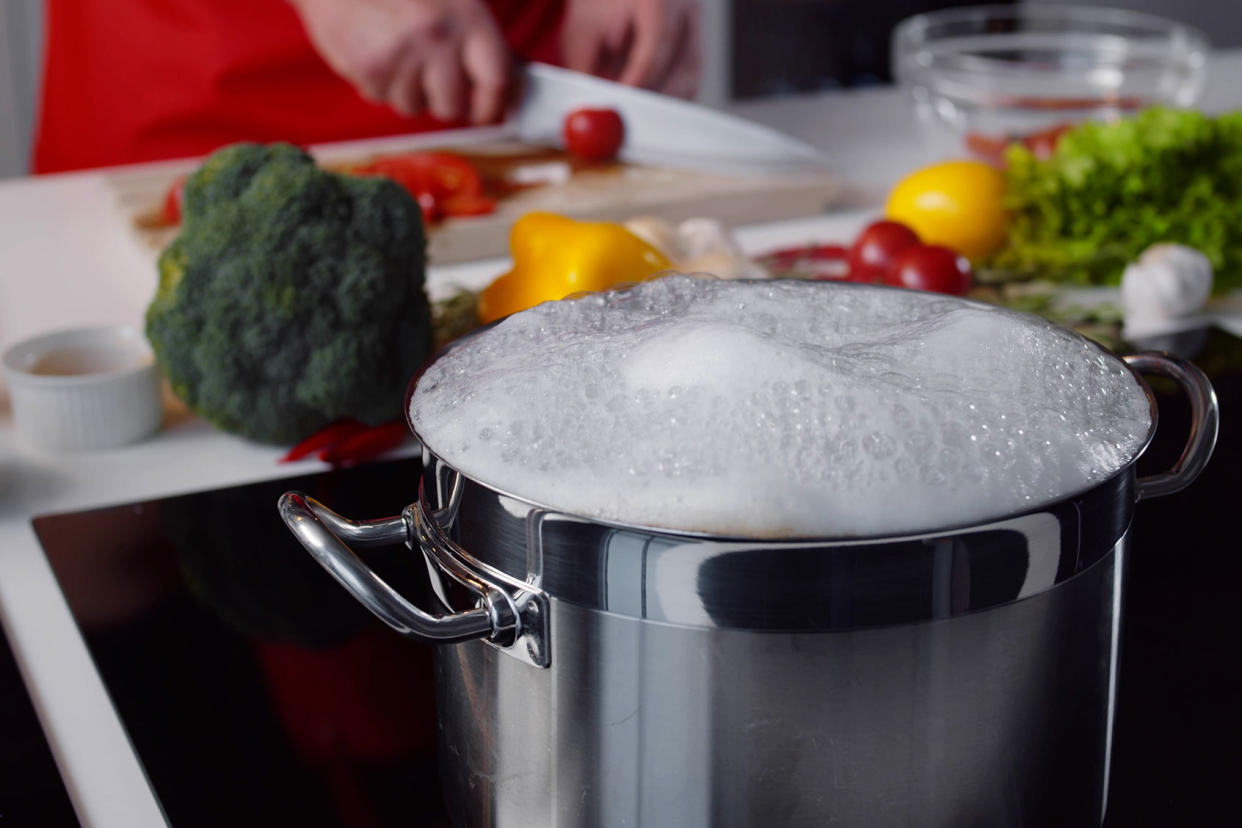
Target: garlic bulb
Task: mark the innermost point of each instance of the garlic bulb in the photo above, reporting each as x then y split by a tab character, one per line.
698	245
1169	281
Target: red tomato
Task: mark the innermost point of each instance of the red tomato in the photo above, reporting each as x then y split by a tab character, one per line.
173	200
931	267
876	248
594	134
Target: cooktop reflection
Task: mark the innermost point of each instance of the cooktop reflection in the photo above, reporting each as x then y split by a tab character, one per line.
255	691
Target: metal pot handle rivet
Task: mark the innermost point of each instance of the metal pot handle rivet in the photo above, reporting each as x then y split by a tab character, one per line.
319	529
1204	422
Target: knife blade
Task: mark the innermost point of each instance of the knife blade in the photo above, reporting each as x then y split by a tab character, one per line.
660	130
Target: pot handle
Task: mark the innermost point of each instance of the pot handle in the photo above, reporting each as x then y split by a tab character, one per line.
1204	421
320	530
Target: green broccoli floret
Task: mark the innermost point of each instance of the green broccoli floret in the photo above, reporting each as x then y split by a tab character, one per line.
292	296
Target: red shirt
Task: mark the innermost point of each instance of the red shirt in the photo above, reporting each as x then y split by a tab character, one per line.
126	81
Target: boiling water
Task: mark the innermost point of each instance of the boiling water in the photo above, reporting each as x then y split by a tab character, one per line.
780	409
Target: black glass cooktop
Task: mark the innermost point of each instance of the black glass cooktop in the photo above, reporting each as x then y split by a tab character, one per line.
253	688
31	792
255	691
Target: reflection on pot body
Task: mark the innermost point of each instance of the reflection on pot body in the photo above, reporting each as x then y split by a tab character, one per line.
709	683
984	720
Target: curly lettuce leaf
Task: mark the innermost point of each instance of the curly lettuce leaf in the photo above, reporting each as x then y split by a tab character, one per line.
1109	191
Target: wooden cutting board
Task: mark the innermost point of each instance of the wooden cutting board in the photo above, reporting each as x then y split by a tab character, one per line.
615	192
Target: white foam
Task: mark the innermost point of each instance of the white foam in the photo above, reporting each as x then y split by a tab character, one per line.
783	408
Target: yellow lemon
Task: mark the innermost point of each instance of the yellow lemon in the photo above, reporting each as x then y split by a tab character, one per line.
958	204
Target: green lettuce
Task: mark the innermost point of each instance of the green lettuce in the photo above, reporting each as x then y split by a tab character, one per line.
1109	191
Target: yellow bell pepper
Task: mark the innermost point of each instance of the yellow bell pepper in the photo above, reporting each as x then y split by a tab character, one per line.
555	256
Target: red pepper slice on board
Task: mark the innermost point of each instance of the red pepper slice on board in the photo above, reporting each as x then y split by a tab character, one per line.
366	445
468	205
441	182
325	437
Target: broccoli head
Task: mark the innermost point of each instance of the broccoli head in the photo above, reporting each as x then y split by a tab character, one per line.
292	296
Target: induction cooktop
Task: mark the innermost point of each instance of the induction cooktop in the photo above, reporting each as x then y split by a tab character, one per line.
254	690
31	792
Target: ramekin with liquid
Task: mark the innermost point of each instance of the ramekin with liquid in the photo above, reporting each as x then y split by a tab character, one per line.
84	388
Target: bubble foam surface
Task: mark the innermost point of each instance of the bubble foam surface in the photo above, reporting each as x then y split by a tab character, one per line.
781	409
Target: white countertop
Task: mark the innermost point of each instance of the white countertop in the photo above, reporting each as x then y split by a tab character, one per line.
67	258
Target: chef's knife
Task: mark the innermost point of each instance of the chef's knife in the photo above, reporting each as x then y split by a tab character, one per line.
659	129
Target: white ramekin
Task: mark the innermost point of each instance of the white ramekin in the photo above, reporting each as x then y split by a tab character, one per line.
110	397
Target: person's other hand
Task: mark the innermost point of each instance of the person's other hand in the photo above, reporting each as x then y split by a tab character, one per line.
446	56
649	43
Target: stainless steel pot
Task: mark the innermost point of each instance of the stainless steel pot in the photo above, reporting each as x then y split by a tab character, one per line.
603	674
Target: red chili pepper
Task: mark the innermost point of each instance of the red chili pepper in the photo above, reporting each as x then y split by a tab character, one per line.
173	200
325	437
365	445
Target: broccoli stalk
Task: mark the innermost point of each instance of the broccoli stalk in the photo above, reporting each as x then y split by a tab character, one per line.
292	296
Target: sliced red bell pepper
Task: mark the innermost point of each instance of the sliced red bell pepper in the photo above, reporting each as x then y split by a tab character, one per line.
469	205
435	180
325	437
365	445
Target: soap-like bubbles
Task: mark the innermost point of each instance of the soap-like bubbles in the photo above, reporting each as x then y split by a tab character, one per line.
781	408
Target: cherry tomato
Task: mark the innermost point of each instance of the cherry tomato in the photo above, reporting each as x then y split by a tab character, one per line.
931	267
173	200
594	134
875	249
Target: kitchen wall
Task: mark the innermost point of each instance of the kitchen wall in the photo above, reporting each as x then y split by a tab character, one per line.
785	46
1221	20
21	38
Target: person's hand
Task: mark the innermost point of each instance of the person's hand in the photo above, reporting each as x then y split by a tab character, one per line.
649	43
446	56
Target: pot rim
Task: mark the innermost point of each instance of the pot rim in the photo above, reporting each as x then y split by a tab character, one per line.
825	540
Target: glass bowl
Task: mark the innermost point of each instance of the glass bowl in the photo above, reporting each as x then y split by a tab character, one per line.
984	76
